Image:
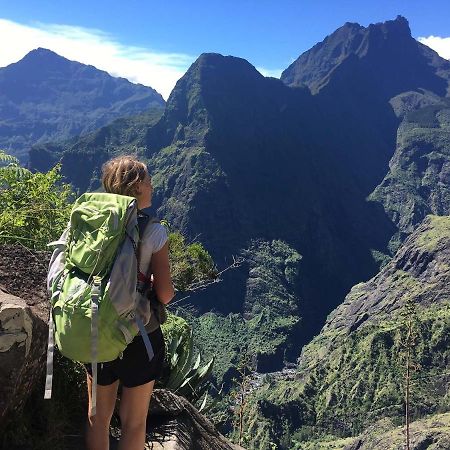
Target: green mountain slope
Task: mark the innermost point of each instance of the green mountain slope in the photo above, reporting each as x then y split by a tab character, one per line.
352	373
82	157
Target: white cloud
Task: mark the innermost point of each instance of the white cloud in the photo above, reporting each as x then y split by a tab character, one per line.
275	73
95	47
441	45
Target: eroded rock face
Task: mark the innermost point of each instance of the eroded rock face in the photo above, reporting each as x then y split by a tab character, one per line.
419	271
22	342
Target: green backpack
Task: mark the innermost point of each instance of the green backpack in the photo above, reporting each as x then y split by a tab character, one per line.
97	298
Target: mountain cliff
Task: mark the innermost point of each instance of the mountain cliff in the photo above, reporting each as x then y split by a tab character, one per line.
45	97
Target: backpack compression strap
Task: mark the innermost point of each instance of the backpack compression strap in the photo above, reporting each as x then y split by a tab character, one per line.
95	294
51	346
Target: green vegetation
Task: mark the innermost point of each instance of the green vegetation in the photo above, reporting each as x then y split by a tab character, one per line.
183	375
359	381
191	265
270	318
34	207
417	183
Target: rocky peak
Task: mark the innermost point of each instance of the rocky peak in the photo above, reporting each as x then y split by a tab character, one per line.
45	66
40	54
381	51
204	91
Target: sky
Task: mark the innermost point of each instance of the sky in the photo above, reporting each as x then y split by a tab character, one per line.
154	42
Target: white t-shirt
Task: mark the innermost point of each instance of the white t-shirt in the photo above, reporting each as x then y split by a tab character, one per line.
153	240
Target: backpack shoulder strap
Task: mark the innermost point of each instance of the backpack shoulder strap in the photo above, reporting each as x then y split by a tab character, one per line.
143	219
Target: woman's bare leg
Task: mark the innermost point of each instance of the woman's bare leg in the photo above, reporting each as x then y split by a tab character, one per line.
97	432
134	404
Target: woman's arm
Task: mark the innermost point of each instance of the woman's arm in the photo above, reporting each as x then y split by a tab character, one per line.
162	281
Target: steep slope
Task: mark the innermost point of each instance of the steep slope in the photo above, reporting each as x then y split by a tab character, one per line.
45	97
369	76
352	373
418	181
82	157
367	69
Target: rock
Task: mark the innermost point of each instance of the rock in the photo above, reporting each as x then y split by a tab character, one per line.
23	337
174	424
23	326
422	261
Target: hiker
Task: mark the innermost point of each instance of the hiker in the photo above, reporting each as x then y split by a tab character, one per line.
126	175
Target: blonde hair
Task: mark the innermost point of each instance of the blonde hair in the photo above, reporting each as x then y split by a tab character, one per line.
121	175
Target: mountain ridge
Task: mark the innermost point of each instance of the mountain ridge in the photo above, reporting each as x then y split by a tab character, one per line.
46	97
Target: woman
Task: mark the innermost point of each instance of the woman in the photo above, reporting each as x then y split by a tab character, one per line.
126	175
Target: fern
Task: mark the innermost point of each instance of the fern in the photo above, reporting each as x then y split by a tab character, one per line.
6	159
17	172
10	167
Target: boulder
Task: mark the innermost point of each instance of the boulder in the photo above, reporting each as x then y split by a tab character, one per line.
24	310
23	337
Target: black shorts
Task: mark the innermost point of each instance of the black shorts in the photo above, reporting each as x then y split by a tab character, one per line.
134	368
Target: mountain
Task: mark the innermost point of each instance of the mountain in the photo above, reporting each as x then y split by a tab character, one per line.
356	74
280	175
384	54
45	97
352	373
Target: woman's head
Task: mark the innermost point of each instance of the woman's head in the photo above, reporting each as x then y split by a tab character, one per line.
126	175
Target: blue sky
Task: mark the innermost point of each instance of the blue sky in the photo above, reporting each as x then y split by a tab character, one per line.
164	38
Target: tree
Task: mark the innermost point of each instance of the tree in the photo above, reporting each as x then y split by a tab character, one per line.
408	342
243	381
